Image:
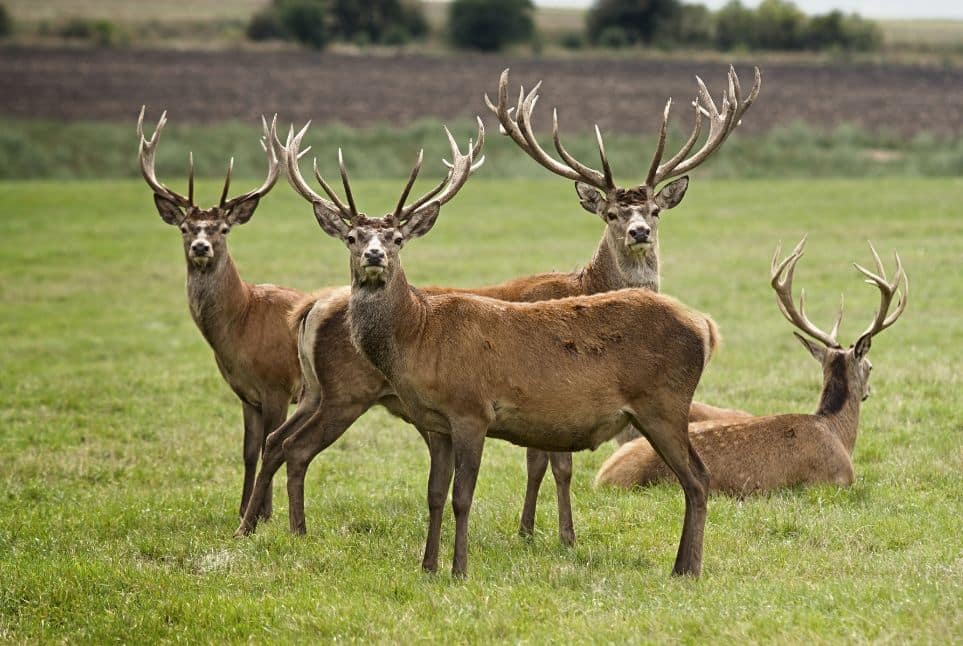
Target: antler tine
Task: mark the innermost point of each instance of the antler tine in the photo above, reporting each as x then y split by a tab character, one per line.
476	148
660	147
411	181
519	129
721	123
227	182
693	138
273	171
147	150
297	181
887	290
839	318
347	185
190	177
606	169
781	281
460	170
566	156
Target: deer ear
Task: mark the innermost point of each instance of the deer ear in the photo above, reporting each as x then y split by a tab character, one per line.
330	221
169	212
672	193
421	222
589	197
242	212
815	349
861	349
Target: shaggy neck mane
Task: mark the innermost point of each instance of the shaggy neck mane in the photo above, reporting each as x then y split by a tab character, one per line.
839	403
383	314
217	297
612	268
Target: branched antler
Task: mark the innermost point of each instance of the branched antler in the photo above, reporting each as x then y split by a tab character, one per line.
887	290
781	281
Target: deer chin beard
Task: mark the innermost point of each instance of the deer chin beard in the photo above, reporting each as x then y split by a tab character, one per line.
640	247
201	261
373	272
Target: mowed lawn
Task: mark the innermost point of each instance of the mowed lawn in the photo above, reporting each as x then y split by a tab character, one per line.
120	448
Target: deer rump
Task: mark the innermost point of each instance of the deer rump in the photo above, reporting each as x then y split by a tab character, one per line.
559	375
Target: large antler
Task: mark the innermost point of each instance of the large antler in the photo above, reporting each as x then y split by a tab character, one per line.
887	290
519	128
721	124
348	214
781	281
147	152
268	140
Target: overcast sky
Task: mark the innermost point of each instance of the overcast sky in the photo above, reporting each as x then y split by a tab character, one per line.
869	8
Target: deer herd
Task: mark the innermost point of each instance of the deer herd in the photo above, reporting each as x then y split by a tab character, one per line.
555	362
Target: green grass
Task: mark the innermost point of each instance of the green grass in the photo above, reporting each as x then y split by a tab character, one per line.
121	444
32	149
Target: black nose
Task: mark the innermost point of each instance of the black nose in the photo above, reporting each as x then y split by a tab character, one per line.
374	255
200	247
639	234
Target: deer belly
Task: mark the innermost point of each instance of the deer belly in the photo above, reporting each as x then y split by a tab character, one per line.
566	431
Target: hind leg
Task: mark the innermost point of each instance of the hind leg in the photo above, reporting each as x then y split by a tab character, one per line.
670	439
439	481
562	471
273	417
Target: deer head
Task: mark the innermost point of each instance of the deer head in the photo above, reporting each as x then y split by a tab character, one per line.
852	362
631	214
374	243
204	230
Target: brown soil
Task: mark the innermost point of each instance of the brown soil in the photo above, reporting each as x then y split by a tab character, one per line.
622	95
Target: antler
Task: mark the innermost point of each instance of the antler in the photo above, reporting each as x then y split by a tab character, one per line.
887	290
274	167
293	155
721	124
783	287
146	153
460	168
519	129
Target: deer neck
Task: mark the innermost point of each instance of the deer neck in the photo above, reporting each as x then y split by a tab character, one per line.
382	316
614	266
217	297
839	403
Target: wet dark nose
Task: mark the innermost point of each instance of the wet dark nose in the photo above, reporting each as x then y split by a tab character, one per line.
200	247
639	233
374	256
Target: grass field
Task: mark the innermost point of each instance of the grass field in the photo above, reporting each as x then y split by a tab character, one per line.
121	444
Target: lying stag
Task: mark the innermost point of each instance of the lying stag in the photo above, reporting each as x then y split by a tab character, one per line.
350	385
628	255
561	375
246	325
766	453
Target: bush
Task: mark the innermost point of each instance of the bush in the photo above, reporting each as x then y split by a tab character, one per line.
266	25
572	40
395	36
779	24
489	25
102	33
638	19
376	18
613	38
305	21
735	26
6	22
692	26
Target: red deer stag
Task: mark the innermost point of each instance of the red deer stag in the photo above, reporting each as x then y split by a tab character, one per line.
561	375
351	386
766	453
246	325
628	255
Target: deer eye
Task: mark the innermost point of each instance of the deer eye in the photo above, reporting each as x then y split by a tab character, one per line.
611	215
655	212
398	241
351	239
225	229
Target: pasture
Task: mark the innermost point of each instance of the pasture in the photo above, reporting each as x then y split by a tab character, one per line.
121	446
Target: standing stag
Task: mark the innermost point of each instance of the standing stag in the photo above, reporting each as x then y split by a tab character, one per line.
628	255
339	384
766	453
561	375
246	325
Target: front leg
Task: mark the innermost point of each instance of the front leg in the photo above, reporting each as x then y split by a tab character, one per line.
468	440
536	462
439	481
562	471
253	440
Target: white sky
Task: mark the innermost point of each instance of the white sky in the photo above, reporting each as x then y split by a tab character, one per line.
868	8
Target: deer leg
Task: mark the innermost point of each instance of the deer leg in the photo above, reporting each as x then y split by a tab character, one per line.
253	436
562	471
325	426
536	462
468	440
273	417
671	441
271	460
439	481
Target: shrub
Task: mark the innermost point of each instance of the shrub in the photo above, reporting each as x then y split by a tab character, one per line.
489	25
305	21
692	26
572	40
638	19
395	36
266	25
102	33
376	18
779	24
735	26
613	38
6	22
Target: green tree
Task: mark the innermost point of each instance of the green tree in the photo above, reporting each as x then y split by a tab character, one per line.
489	25
735	26
779	25
639	19
305	21
6	22
377	20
